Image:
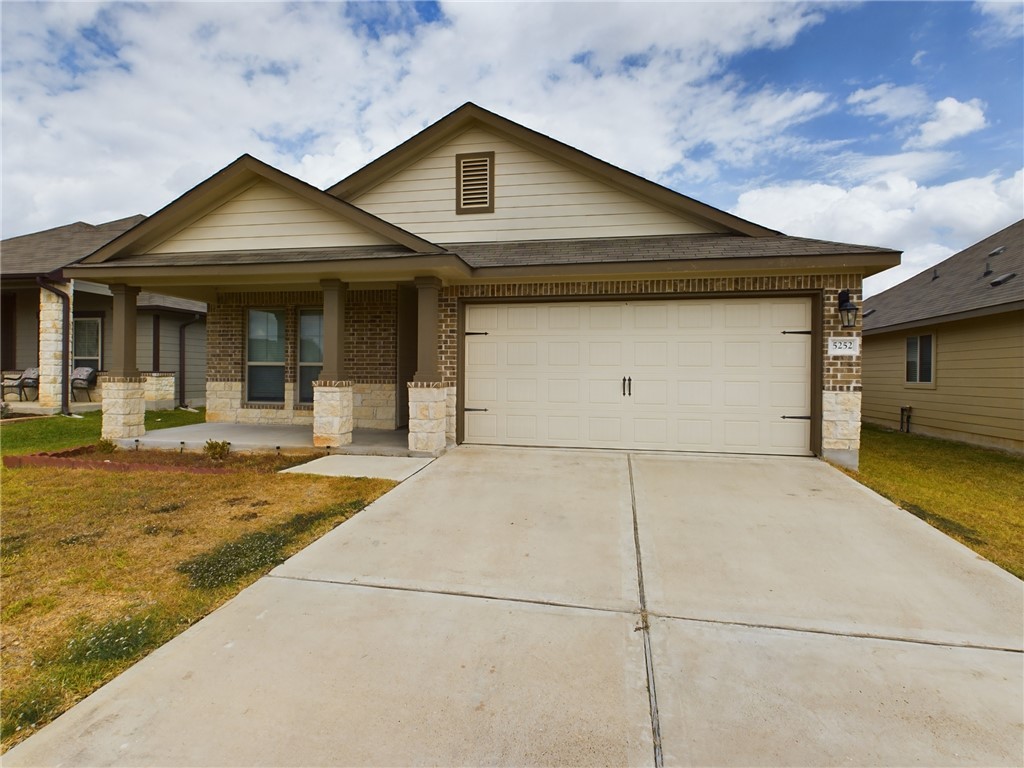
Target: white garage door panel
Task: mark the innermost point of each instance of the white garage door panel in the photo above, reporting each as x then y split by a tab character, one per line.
702	375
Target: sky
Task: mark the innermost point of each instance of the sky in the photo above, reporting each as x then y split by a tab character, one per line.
894	124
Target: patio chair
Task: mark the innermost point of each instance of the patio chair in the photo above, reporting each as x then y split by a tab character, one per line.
29	379
83	378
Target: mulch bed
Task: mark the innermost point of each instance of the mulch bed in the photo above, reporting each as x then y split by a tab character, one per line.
90	457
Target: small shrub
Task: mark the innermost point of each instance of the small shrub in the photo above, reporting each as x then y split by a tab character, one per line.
103	445
217	450
5	410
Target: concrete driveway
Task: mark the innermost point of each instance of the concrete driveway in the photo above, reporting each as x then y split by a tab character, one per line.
536	607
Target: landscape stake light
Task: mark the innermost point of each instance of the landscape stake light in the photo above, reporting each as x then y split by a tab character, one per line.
847	310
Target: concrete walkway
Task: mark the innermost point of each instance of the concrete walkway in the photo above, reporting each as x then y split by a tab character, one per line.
535	607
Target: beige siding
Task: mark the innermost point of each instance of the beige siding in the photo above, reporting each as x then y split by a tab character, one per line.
195	364
535	198
978	395
266	216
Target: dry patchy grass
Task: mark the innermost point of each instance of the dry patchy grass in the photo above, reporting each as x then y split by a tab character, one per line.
972	494
92	565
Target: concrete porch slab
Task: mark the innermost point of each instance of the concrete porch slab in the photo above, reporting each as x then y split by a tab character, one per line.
301	673
742	696
520	523
795	543
389	467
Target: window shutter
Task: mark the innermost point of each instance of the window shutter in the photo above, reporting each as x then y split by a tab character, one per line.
474	174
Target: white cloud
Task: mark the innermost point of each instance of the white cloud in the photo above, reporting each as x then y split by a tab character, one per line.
926	222
1004	20
951	119
143	101
893	102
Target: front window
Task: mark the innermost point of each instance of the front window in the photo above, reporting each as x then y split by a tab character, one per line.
265	356
88	342
311	351
920	354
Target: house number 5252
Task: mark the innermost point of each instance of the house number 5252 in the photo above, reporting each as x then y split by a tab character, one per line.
844	345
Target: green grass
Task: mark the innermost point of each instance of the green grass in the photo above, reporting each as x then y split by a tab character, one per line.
972	494
58	433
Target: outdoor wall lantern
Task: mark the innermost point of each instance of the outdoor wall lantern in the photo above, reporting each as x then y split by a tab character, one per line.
847	310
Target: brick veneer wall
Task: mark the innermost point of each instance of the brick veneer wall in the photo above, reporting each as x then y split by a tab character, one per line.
370	323
370	354
841	374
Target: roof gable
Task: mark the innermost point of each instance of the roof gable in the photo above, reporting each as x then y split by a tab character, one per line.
250	205
963	283
536	159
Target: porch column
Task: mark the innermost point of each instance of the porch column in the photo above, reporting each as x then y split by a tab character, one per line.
335	293
124	388
52	362
427	369
125	324
428	396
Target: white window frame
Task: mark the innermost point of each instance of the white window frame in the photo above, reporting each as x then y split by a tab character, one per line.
299	362
916	379
98	357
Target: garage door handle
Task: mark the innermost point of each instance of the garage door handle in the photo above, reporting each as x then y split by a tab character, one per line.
623	386
630	380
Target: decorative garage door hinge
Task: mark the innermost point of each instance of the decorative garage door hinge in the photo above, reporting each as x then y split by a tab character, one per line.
805	418
802	333
468	410
477	333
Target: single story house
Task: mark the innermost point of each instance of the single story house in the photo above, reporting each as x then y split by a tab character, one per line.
35	299
944	350
485	283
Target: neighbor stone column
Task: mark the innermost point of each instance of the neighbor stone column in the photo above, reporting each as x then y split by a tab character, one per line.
124	407
160	391
449	430
332	413
428	423
840	428
51	352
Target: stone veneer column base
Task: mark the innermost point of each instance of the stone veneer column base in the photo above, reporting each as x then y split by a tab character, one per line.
51	356
124	407
332	413
159	391
428	423
840	428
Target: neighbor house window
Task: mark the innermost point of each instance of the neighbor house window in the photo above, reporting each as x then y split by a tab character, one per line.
88	333
920	357
474	182
311	351
265	356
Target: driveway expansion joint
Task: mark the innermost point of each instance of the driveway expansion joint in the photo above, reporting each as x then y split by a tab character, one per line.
645	624
456	593
836	633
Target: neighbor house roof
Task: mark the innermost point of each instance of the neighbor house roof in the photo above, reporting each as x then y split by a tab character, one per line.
41	253
971	282
49	251
470	115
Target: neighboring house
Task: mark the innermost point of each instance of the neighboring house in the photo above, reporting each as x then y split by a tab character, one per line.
944	350
32	291
484	283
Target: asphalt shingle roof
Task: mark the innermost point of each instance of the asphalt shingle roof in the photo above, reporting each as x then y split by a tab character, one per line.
961	283
43	252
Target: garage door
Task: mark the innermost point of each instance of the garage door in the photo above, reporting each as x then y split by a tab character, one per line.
695	375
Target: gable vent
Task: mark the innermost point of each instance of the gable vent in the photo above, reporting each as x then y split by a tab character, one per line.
474	183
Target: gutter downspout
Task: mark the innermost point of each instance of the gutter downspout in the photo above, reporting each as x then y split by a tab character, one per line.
47	284
181	359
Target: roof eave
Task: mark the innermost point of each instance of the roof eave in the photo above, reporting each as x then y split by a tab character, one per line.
995	309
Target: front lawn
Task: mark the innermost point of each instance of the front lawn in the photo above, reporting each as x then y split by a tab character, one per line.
972	494
101	568
56	433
